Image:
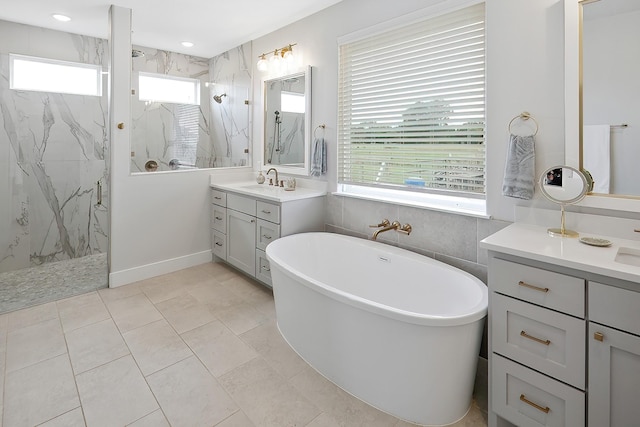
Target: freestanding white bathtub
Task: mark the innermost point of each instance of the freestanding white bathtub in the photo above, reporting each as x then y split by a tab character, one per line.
396	329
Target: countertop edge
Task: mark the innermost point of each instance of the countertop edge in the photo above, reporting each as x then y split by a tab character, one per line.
563	252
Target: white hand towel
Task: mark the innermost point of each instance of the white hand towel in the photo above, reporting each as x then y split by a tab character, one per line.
597	155
520	168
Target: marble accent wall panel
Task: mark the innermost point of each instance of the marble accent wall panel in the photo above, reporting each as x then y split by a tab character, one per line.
175	136
53	150
230	123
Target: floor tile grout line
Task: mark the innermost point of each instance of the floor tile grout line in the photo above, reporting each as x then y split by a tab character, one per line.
64	413
75	382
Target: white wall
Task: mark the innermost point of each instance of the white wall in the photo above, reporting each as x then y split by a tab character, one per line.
157	219
524	73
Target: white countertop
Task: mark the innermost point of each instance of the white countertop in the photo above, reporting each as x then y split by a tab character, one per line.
533	242
266	191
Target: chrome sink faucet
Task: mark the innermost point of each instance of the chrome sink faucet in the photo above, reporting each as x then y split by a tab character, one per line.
276	171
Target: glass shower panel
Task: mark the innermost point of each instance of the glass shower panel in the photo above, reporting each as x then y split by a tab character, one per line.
53	152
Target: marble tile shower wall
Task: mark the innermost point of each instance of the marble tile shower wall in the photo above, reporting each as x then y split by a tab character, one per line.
163	132
452	239
230	121
53	150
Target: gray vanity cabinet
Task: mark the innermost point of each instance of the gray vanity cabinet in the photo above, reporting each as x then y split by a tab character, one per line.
614	356
564	349
219	224
243	226
241	240
538	358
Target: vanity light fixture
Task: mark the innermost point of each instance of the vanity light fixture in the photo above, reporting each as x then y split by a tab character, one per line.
263	65
60	17
275	61
187	44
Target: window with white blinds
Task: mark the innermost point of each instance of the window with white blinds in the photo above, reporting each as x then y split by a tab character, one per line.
411	107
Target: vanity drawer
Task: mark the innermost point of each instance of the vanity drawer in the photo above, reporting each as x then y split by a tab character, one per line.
266	232
528	398
545	340
219	219
263	270
616	307
241	204
219	198
546	288
268	211
219	244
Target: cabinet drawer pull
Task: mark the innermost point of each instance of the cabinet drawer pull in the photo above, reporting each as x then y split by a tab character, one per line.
217	198
266	237
264	211
218	244
537	288
598	336
538	407
218	218
265	268
526	335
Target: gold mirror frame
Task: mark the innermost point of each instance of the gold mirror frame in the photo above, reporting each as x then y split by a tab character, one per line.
573	109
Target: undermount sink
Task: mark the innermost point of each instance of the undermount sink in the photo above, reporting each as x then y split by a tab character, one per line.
262	188
629	256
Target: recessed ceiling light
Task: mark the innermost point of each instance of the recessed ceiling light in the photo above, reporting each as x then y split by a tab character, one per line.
187	44
61	18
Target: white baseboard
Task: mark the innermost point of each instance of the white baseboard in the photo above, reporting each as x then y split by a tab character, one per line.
124	277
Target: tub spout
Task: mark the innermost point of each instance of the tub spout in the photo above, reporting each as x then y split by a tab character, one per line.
394	226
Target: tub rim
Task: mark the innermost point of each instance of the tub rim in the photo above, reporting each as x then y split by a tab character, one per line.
474	313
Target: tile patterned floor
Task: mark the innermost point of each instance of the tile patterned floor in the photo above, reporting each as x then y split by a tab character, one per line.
198	347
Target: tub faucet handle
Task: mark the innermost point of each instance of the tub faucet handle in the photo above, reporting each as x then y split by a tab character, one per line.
384	223
405	229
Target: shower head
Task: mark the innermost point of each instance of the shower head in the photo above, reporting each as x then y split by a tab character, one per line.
135	53
218	98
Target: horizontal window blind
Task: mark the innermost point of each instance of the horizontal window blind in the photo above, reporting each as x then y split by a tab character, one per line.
411	106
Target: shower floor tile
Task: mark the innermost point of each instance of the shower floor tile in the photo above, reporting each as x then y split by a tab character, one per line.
50	282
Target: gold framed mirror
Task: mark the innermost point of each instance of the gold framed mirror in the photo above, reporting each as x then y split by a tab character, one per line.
600	98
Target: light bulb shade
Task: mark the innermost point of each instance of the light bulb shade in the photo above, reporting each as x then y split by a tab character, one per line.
263	65
276	58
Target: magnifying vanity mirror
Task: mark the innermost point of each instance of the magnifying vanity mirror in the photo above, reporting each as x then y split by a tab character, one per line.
564	185
287	123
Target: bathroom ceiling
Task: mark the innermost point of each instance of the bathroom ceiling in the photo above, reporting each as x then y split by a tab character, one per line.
214	26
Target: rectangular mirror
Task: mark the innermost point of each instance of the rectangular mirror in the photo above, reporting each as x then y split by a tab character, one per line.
287	123
610	93
600	55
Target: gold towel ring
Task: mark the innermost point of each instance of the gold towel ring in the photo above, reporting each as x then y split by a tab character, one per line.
524	116
316	129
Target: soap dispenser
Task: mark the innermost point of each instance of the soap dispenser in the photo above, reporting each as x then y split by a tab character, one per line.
260	178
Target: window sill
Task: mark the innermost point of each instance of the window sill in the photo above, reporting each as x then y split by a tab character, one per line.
457	205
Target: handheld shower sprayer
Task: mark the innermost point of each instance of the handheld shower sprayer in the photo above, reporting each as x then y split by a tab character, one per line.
218	98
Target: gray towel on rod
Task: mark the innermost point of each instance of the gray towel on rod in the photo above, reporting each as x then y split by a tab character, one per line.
319	157
520	168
